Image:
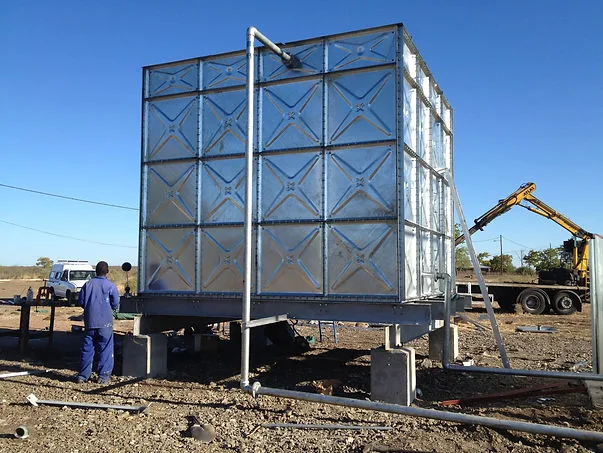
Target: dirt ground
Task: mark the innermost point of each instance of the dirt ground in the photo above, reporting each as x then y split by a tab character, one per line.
207	386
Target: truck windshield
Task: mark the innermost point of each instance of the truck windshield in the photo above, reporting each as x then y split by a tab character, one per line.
81	275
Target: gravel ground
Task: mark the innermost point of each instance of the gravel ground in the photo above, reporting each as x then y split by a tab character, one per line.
206	386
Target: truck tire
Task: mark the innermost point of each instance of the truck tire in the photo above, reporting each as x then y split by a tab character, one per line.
532	301
564	302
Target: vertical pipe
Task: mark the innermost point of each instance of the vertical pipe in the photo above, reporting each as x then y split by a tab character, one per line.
446	345
246	312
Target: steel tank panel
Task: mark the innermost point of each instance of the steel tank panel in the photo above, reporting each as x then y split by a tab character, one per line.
170	259
174	79
359	182
292	115
350	194
360	258
172	128
172	193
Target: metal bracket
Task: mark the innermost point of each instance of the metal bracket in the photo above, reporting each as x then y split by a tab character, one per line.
268	320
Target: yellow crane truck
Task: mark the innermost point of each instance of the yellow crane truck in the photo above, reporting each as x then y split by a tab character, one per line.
561	289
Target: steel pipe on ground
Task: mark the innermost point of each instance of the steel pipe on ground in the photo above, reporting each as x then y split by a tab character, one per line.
534	428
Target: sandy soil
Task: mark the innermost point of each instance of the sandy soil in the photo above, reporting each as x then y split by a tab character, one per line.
206	386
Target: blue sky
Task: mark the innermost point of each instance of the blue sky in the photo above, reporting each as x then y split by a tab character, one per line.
525	80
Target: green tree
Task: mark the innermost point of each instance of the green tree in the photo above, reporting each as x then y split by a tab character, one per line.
504	263
543	259
482	257
44	262
461	253
461	258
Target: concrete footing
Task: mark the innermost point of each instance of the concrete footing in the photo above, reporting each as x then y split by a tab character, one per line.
145	355
393	375
436	343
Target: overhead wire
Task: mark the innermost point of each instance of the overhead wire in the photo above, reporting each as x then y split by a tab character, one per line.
68	237
69	198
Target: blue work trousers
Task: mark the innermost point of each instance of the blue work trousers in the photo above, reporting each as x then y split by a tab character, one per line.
100	342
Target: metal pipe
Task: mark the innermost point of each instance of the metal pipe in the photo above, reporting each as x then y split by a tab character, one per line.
34	401
520	372
289	61
22	373
558	431
246	311
446	345
318	426
478	273
276	49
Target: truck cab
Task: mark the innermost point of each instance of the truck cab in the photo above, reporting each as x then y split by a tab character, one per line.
67	277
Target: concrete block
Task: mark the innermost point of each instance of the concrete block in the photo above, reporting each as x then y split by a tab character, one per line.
145	355
205	343
393	375
436	343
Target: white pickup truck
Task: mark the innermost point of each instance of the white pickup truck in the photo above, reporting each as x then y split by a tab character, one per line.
67	278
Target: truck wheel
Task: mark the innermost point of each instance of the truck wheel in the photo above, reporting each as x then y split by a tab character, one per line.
563	303
532	301
69	297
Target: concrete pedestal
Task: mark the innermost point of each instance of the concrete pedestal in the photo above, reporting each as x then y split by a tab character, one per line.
393	378
436	343
145	355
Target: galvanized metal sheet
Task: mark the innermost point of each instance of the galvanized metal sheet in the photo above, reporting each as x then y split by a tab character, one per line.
596	298
350	198
361	107
172	193
223	259
291	259
411	268
172	128
292	186
292	115
223	190
361	50
224	123
175	79
359	182
311	57
360	258
224	71
170	260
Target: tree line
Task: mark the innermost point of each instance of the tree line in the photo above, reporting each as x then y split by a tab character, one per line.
533	261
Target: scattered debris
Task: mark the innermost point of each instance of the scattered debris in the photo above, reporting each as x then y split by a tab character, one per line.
577	366
536	329
21	432
546	389
326	386
203	432
319	426
468	362
34	401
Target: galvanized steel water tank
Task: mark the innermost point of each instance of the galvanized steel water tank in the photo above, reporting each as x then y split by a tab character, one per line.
351	200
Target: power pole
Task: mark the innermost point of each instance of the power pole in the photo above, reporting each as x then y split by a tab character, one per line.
501	255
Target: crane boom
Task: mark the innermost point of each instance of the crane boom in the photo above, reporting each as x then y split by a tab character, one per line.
525	193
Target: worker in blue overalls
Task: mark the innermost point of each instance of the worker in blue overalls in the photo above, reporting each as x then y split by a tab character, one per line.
98	298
